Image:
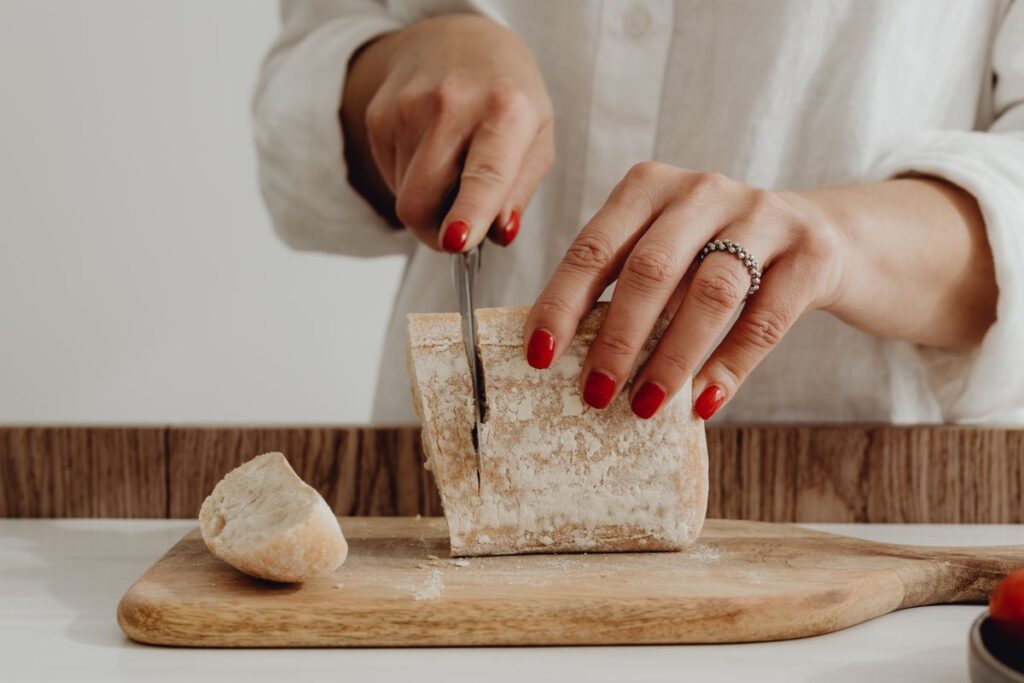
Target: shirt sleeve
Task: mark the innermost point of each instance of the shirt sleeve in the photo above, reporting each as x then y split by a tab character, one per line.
302	172
986	385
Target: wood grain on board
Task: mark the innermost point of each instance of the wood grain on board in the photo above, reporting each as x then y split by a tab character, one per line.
933	474
741	582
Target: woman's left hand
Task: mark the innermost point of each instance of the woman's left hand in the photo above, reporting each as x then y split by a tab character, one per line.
647	237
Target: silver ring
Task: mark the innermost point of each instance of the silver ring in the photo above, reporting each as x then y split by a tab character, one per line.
742	254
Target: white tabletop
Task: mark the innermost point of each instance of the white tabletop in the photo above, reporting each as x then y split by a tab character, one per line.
60	581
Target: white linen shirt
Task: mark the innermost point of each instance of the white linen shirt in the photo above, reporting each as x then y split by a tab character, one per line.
782	94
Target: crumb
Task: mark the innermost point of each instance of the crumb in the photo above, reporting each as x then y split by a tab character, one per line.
432	557
461	562
338	585
419	516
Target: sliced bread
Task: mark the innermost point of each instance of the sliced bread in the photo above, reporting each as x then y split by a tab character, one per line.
263	520
557	475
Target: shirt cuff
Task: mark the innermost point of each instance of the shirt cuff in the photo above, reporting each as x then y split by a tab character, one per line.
987	384
302	169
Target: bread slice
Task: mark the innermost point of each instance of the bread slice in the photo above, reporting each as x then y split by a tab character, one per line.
263	520
557	475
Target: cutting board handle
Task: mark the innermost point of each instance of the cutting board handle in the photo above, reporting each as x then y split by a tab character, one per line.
961	574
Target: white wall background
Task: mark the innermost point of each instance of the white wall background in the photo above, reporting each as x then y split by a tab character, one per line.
140	280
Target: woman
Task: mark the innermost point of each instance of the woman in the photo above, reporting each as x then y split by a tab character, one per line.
866	157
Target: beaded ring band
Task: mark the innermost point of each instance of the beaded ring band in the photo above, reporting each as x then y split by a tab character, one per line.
742	254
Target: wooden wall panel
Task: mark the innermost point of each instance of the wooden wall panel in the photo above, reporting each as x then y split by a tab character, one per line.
78	472
359	471
773	473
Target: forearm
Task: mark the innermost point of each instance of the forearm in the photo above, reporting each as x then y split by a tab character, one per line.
918	265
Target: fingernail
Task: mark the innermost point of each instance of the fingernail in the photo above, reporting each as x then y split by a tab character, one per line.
541	349
504	234
599	389
455	236
647	400
709	401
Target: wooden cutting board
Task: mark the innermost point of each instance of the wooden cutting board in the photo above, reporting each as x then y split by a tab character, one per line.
742	581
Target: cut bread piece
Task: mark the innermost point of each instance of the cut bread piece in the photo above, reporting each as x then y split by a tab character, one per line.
263	520
557	475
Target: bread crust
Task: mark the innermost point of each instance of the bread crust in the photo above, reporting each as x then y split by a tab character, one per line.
557	475
312	546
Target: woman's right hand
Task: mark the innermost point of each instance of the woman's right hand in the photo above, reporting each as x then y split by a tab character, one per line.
451	98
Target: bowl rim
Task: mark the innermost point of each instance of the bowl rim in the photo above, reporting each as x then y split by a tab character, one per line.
980	649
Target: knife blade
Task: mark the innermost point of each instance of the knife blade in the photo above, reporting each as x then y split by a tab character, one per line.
464	269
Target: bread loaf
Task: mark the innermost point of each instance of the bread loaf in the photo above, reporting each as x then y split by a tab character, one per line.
263	520
557	475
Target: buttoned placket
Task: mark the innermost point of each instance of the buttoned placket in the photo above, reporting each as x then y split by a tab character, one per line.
629	75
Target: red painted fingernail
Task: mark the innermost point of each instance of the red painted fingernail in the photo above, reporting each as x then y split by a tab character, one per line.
709	401
455	236
647	400
599	389
541	349
504	234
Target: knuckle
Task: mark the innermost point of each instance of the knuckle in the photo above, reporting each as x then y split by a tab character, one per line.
375	118
408	105
764	328
720	290
445	97
638	187
485	171
709	184
815	257
818	244
616	344
763	206
552	307
650	269
508	102
589	252
675	361
645	172
729	373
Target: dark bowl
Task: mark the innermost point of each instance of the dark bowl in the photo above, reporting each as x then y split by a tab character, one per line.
991	657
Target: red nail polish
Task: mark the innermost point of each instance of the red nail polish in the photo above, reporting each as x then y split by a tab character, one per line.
709	401
647	400
541	349
504	234
455	236
599	389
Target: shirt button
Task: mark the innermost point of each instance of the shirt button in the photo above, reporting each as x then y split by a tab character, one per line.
636	21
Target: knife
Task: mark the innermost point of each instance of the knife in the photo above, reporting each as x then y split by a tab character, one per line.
464	269
465	266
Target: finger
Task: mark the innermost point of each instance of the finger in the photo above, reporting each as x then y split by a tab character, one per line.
536	164
714	294
493	160
649	276
591	263
759	329
429	175
679	293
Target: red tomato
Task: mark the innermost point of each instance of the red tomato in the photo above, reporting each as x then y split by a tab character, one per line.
1006	605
